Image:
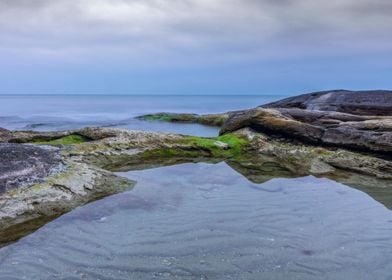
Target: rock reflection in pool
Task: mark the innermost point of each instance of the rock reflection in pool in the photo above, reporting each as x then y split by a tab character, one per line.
204	221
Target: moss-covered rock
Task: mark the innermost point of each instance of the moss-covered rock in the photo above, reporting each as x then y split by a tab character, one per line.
28	207
209	119
71	139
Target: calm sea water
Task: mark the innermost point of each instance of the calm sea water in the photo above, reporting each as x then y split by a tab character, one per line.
61	112
202	221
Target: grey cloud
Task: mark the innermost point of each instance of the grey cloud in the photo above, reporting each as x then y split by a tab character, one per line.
224	28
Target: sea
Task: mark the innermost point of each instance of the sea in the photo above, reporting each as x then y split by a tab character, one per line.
63	112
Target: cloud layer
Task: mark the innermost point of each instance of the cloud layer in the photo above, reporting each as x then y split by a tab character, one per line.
235	27
192	32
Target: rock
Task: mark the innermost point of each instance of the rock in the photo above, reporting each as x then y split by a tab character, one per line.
367	133
170	117
374	102
22	164
4	135
41	182
23	210
213	119
271	158
209	119
85	172
31	136
272	122
221	145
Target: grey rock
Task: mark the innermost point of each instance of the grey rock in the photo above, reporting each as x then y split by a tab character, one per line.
372	102
367	133
21	164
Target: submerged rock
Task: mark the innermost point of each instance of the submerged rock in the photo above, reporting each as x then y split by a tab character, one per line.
372	102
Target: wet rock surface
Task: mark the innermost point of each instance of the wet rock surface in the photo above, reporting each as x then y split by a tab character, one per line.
373	102
23	164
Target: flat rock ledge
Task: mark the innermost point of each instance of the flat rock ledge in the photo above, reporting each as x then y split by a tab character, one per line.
364	133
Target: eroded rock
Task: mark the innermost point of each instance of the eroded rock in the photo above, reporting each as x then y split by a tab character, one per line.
373	134
373	102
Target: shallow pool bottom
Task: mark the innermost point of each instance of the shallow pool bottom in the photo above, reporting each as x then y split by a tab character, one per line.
205	221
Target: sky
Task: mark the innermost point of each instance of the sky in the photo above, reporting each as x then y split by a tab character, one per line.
194	46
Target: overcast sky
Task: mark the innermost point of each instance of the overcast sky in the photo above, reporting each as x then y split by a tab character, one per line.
194	46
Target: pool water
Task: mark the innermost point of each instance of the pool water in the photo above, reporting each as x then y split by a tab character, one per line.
206	221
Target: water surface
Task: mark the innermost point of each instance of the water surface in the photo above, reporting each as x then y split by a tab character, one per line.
203	221
61	112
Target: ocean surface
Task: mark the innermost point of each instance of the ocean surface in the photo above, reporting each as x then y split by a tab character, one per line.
196	220
62	112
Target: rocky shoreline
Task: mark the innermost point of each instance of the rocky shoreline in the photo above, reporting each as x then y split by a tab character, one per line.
46	174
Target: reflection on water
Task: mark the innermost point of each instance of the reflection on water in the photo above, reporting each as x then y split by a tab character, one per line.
202	221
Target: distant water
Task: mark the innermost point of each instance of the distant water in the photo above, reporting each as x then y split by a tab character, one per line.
61	112
201	221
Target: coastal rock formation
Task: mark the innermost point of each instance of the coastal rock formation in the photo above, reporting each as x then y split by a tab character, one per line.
367	133
45	174
86	167
41	182
374	102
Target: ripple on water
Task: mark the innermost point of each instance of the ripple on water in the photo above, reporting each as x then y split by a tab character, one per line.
201	221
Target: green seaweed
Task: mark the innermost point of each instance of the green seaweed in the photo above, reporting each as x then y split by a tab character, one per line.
66	140
157	117
212	119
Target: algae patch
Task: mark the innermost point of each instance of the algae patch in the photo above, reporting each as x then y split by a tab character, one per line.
169	117
66	140
226	146
210	119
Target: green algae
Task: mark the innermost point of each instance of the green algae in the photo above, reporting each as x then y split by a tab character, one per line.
156	117
222	147
234	144
211	119
169	117
66	140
